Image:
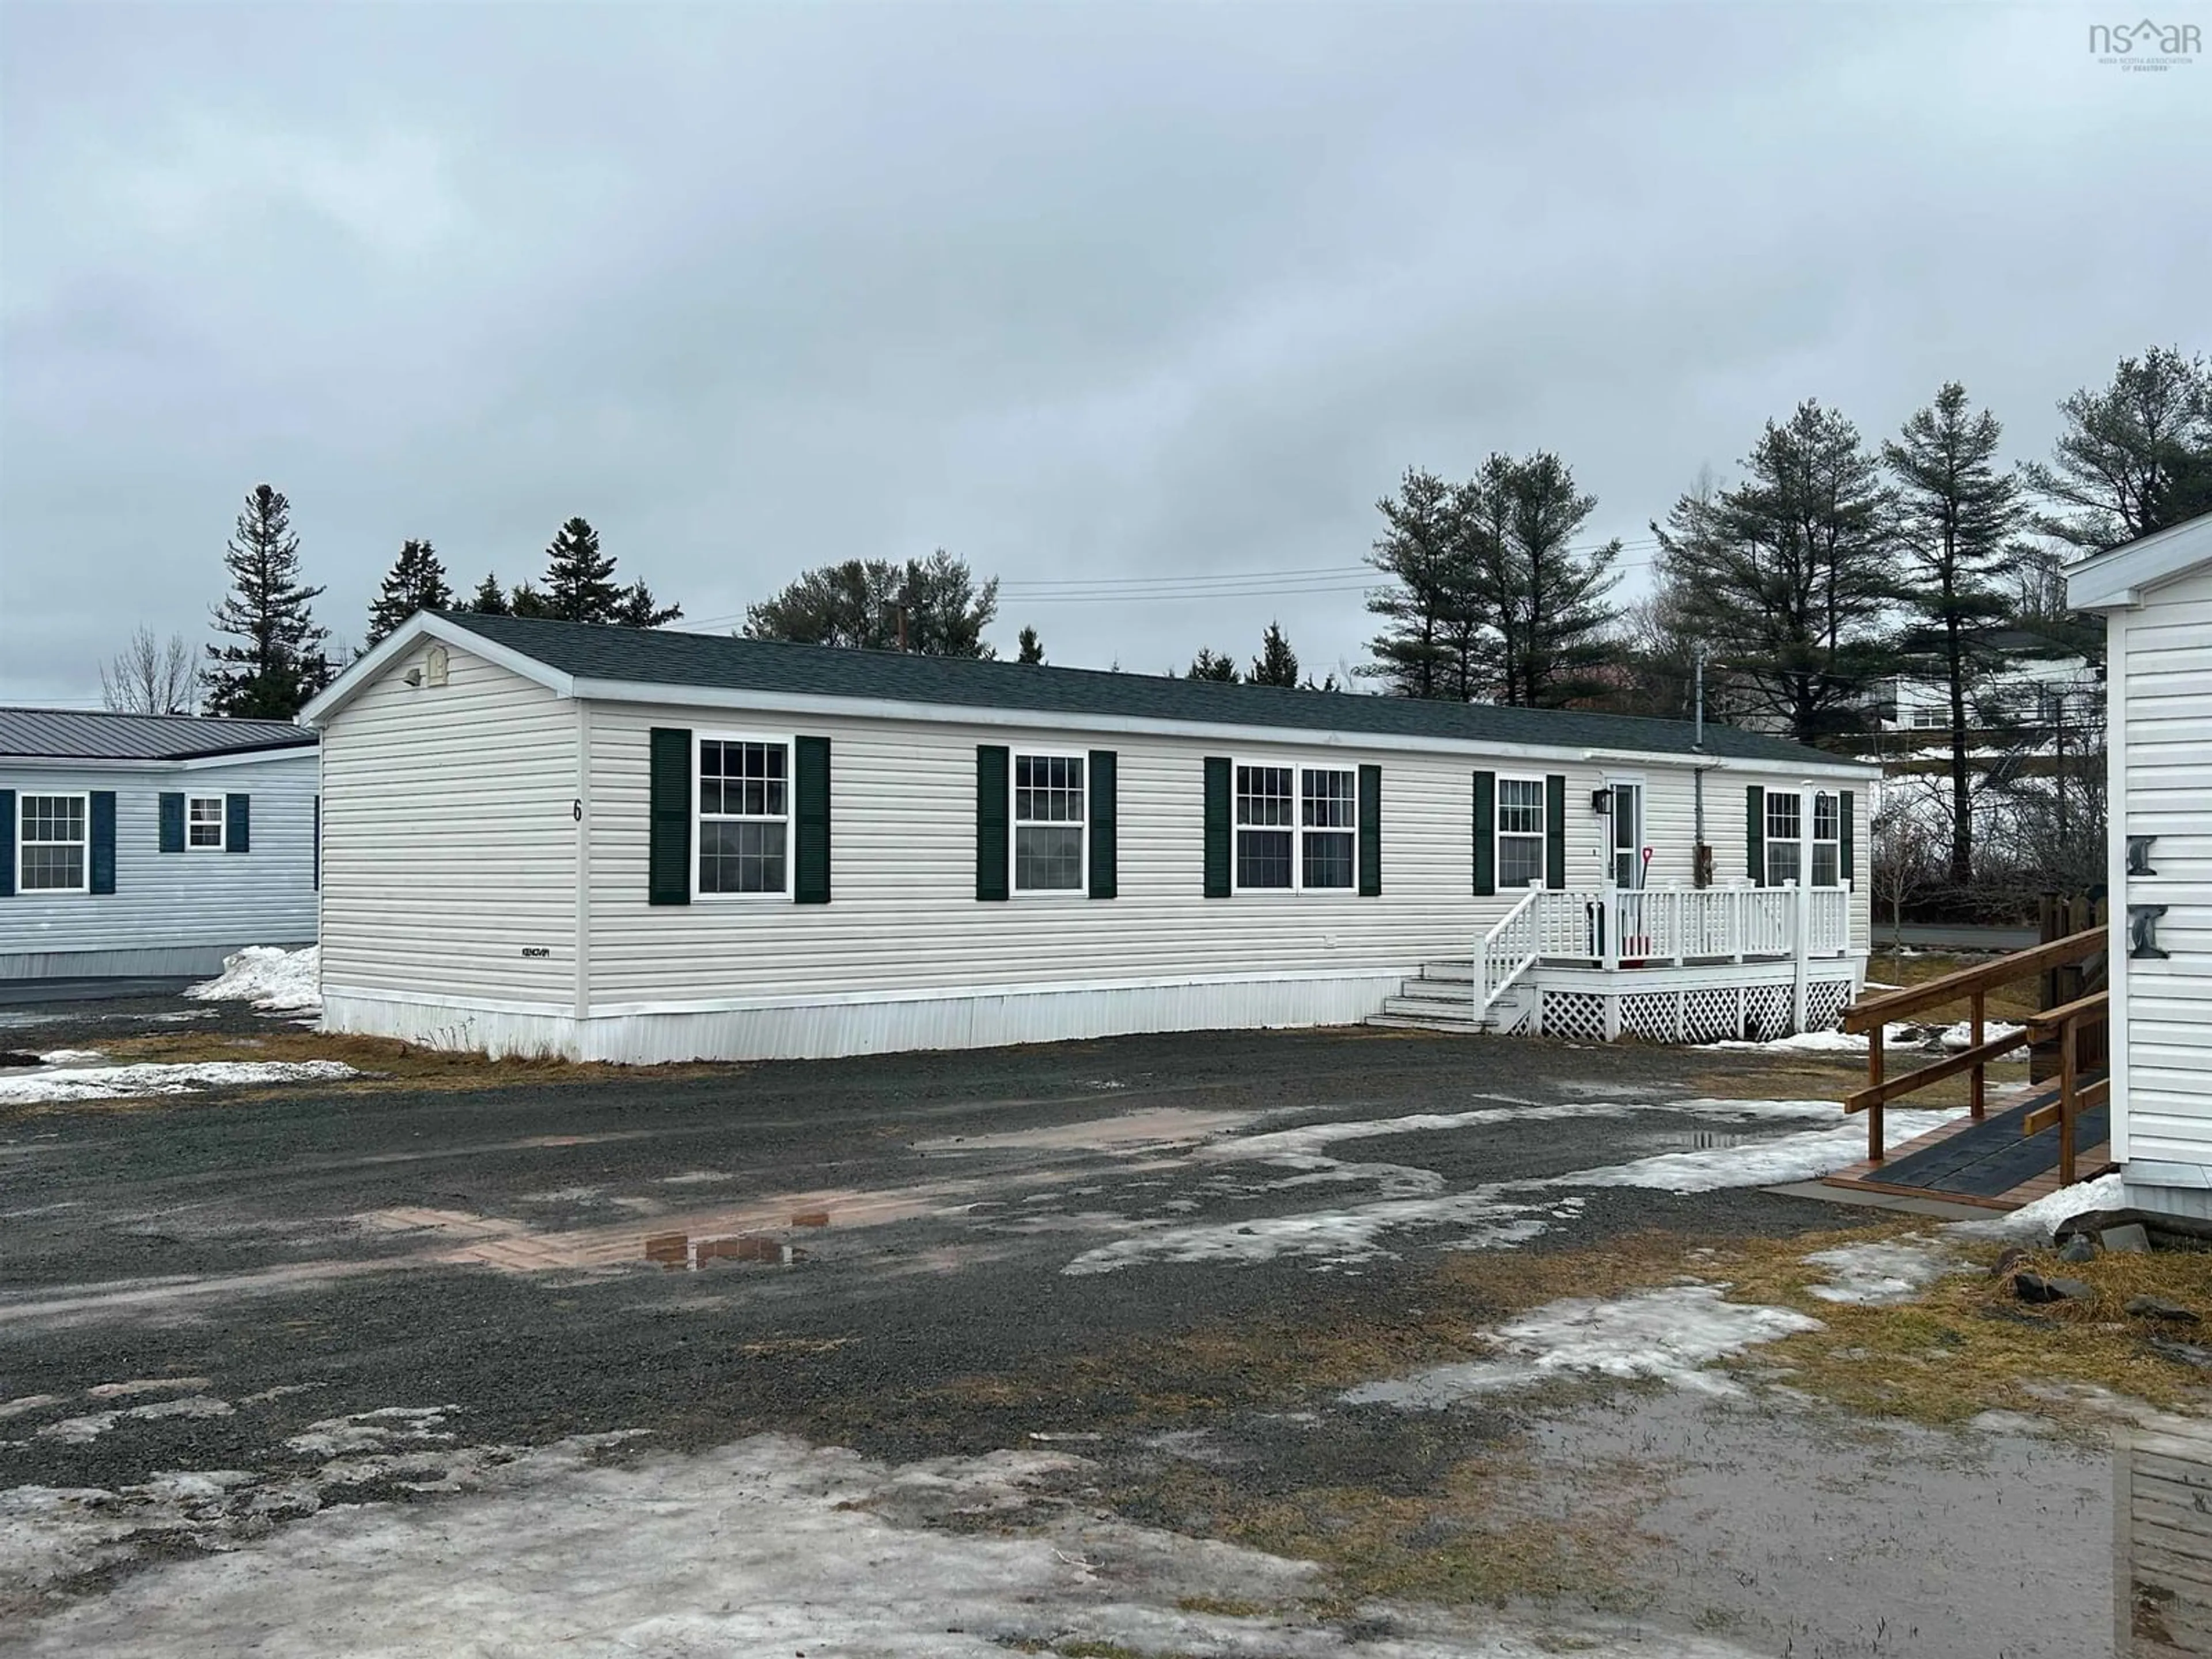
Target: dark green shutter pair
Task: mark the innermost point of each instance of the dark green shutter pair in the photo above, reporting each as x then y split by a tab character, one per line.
1219	844
995	807
100	836
237	822
668	854
1486	832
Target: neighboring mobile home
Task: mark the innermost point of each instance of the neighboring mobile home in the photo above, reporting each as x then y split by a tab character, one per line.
2156	598
151	843
642	845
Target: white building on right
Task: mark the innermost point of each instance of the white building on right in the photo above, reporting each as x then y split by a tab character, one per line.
2156	595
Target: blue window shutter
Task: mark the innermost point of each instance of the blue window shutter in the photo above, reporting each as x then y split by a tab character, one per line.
238	824
811	821
1555	829
1485	834
993	807
668	855
1105	868
1217	827
101	869
173	822
1370	840
1846	833
6	843
1754	833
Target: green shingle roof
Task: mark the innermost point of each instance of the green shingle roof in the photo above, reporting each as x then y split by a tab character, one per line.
663	657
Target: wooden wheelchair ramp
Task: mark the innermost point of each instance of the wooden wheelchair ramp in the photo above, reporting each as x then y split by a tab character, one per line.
1990	1162
2013	1156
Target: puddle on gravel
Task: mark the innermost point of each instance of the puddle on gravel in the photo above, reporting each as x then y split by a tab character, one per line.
1792	1529
1700	1140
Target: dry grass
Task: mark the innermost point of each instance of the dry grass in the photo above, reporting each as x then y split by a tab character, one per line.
2013	1002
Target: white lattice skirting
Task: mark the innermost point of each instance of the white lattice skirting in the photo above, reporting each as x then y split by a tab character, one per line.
1691	1014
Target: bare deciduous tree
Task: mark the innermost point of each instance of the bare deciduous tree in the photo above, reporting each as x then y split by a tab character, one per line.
147	677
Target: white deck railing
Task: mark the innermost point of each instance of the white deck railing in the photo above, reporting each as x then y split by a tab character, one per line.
1651	927
1506	952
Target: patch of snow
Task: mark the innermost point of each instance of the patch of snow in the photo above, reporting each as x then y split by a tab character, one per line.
1670	1335
766	1547
267	977
27	1402
1805	1155
377	1430
127	1082
1813	1043
1881	1274
146	1385
80	1431
2040	1220
1961	1035
70	1057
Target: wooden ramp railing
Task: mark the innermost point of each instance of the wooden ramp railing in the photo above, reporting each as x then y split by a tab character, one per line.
2077	1025
1973	986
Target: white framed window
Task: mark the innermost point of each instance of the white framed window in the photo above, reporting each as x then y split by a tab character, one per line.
1050	813
1826	841
1297	829
1930	717
1520	831
53	844
744	810
1785	837
203	821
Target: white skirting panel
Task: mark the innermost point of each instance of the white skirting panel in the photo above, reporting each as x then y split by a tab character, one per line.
146	962
827	1031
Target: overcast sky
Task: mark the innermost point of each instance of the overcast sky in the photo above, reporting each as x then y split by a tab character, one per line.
1076	291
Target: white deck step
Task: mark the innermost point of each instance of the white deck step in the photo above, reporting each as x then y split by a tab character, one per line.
1413	1023
1456	1009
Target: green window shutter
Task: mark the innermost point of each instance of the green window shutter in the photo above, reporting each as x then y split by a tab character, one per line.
1371	831
1845	832
238	824
1555	829
1485	834
173	823
668	856
991	807
6	843
810	870
1755	834
102	825
1217	827
1105	870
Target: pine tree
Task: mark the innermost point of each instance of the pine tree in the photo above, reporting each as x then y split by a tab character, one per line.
2135	457
637	608
490	599
1956	516
279	663
526	600
1277	664
861	603
579	578
1032	647
1423	555
417	581
1786	574
1211	664
1553	609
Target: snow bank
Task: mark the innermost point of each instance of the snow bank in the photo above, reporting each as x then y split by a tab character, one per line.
2036	1222
127	1082
268	978
1670	1335
1805	1155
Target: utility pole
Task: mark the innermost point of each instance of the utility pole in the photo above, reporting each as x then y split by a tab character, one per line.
1698	728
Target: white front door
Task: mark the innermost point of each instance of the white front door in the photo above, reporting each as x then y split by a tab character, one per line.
1628	835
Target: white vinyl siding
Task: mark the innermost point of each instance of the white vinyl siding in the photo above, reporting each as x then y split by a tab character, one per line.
170	915
449	837
2162	664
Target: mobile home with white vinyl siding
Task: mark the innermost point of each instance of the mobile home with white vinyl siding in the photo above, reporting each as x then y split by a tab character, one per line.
2156	598
644	844
151	844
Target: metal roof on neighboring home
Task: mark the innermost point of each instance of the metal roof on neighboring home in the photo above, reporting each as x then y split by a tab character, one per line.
660	657
86	734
